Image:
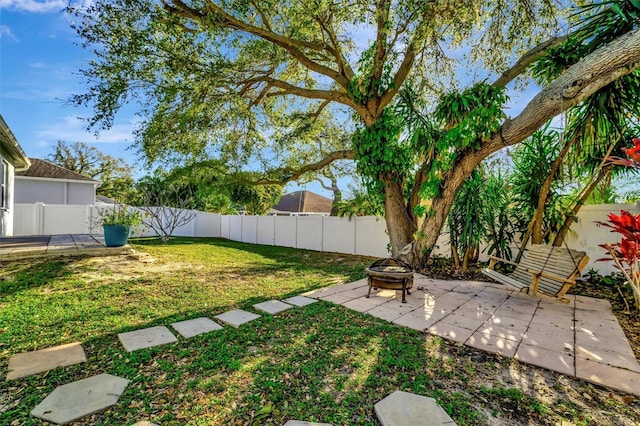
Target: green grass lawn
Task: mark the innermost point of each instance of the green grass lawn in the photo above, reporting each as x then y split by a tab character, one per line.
318	363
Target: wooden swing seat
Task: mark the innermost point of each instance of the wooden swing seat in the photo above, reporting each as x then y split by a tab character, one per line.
549	270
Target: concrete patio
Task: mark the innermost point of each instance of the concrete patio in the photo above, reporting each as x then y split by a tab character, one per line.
57	245
581	339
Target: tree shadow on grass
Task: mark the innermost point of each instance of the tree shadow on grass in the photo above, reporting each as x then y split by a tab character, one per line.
26	274
322	362
282	258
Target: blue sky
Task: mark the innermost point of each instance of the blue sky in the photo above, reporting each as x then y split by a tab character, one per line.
39	61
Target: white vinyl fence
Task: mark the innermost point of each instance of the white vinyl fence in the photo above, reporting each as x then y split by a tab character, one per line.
359	235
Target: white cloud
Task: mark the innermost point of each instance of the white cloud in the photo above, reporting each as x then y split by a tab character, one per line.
34	5
72	129
5	32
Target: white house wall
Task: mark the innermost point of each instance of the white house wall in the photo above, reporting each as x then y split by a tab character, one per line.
49	191
34	191
80	193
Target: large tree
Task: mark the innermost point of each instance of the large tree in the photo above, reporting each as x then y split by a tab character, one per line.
211	75
114	174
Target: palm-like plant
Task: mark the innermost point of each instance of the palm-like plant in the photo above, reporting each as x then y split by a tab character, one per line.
533	163
500	229
596	127
361	203
466	225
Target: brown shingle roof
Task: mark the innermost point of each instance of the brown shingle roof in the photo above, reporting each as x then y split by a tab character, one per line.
304	201
45	169
9	143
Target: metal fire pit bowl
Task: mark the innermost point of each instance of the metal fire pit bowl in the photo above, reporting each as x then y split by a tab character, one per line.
390	274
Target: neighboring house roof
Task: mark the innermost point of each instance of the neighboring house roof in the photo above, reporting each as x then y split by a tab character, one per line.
102	199
10	146
304	201
47	170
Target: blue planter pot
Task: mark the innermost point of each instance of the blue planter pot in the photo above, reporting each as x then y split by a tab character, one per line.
115	235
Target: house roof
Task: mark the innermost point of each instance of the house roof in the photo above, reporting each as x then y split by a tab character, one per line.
45	169
10	146
304	201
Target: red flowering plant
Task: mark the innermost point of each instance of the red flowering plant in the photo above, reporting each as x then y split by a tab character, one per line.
626	253
632	153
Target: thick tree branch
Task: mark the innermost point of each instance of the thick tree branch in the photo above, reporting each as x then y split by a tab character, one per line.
343	65
591	73
290	89
399	78
263	16
382	19
527	59
228	21
288	174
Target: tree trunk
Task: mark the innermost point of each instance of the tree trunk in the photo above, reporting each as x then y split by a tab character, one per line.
537	220
455	256
470	255
401	224
564	230
596	70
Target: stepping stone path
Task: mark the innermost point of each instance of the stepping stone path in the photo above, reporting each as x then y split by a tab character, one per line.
78	399
237	318
408	409
81	398
146	338
28	363
300	301
272	307
195	327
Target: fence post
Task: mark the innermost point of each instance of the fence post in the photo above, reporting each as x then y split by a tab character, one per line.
39	218
90	218
355	234
322	233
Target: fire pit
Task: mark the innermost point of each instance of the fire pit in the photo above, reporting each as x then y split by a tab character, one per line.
390	274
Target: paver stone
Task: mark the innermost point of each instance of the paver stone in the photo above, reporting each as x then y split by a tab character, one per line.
548	340
385	313
272	306
300	301
450	331
237	317
560	361
494	344
418	320
622	359
404	409
602	374
364	305
338	299
146	338
144	423
196	326
28	363
79	399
